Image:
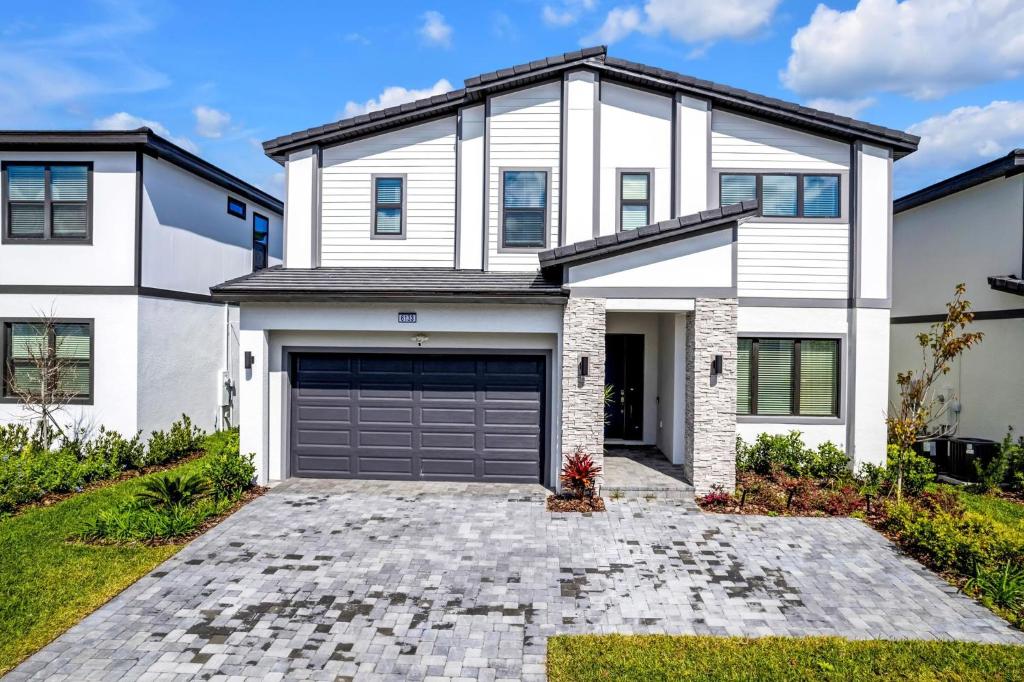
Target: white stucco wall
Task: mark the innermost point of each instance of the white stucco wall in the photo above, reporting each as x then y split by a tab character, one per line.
470	249
874	222
964	237
115	349
672	386
301	238
185	348
268	329
581	118
110	259
189	241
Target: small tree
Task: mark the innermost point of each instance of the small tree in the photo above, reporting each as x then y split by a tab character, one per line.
917	416
41	375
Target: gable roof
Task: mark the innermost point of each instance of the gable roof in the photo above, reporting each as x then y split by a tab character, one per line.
375	284
1003	167
477	88
649	235
140	139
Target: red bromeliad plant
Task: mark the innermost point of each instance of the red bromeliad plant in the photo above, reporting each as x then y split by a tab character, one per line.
579	473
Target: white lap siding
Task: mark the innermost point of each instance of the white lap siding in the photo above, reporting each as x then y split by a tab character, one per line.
425	155
523	133
801	259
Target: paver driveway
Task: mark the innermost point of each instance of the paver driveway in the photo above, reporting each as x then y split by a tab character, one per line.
322	579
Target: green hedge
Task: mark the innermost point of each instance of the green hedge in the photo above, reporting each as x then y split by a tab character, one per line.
29	471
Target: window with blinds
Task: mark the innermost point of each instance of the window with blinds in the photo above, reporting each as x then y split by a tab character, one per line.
260	241
47	201
787	377
634	199
60	354
784	195
389	206
524	204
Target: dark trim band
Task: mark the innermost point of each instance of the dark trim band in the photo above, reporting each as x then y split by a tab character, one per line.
1009	314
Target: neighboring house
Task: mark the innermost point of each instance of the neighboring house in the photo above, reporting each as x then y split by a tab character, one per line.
119	235
464	274
968	228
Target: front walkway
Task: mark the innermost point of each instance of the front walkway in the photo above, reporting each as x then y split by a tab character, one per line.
321	579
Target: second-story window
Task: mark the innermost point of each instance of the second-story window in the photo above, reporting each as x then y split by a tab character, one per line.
524	209
389	206
236	208
260	241
47	201
634	199
784	195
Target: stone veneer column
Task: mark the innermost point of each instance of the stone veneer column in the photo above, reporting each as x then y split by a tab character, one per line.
711	399
583	327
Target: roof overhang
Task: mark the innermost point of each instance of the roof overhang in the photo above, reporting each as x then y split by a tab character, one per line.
1003	167
478	88
376	285
1010	284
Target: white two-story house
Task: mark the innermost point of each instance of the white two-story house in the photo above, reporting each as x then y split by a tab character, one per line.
118	236
967	228
463	275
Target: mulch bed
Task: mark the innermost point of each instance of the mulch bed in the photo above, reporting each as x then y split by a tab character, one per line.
558	503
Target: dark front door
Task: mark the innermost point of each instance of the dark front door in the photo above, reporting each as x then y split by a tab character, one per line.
624	375
417	416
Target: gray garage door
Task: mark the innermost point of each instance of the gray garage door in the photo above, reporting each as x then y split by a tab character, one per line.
417	417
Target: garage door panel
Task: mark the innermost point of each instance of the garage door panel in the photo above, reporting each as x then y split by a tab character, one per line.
448	441
369	414
418	416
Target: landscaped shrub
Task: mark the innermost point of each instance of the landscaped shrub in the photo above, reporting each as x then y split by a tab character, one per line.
918	470
1002	585
718	497
13	438
113	453
1005	469
579	473
56	471
182	440
137	522
228	471
788	453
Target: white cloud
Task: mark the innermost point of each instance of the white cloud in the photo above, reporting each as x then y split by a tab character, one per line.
122	120
843	107
42	73
566	13
619	23
920	48
358	38
435	31
211	122
393	96
968	136
689	21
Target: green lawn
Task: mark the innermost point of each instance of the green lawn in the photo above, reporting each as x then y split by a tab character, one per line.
48	584
1001	511
663	657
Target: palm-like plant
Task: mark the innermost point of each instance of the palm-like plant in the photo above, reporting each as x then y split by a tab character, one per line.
168	490
1004	586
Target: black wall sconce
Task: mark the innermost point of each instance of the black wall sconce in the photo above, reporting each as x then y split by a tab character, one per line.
716	365
248	360
585	365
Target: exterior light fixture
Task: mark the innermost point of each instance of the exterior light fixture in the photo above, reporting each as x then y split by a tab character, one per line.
716	364
248	360
585	365
420	339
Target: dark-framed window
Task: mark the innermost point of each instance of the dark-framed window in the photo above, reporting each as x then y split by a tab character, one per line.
634	192
524	208
785	195
788	377
68	343
47	201
260	240
388	207
236	208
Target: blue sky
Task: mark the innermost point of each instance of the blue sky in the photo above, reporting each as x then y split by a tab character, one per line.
220	77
